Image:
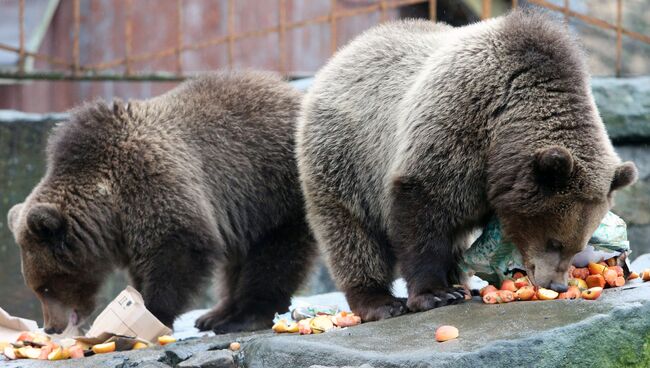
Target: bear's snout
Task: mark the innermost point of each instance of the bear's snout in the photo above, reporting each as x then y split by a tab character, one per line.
560	288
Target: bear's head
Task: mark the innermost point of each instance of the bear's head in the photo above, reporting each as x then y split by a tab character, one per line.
552	210
62	276
65	227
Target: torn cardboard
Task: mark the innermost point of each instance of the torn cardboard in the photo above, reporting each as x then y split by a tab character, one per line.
11	327
125	316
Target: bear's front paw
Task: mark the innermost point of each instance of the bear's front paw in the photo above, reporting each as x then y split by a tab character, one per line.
439	298
375	308
209	320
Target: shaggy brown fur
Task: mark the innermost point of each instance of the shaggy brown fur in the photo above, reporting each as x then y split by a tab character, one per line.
200	178
415	133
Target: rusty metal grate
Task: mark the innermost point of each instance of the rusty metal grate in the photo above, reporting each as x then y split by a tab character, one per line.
75	70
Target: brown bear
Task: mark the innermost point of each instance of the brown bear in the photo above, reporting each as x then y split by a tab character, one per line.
416	133
172	189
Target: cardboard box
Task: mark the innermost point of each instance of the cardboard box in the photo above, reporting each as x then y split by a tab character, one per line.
11	327
126	316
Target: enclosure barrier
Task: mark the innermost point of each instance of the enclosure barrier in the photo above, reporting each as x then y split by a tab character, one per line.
77	71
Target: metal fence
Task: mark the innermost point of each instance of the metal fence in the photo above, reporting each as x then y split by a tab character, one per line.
75	70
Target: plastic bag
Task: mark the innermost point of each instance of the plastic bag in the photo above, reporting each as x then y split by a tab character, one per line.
491	257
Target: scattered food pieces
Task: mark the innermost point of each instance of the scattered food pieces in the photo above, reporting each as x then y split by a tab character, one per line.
446	333
645	275
235	346
584	282
104	348
166	339
592	293
325	319
546	294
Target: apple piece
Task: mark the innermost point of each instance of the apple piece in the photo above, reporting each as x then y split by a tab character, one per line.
280	326
492	297
29	352
508	285
47	349
521	282
610	277
107	347
645	275
304	326
546	294
59	354
596	268
10	353
620	281
619	270
76	351
140	345
321	324
234	346
633	275
518	275
445	333
580	283
592	293
580	273
488	289
25	336
525	293
166	339
506	296
595	281
572	293
344	319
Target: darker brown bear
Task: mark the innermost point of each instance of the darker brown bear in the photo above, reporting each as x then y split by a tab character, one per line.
415	133
199	180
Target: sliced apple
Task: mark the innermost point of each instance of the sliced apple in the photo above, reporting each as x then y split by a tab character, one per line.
596	268
140	345
166	339
595	281
592	293
525	293
521	282
59	354
506	296
304	326
492	297
633	275
488	289
580	283
76	351
106	347
610	276
10	353
508	285
29	352
546	294
572	293
580	273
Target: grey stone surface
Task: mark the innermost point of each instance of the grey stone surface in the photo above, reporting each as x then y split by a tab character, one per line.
641	263
612	331
210	359
623	105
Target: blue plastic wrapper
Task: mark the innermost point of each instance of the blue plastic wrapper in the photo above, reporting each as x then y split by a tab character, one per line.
492	258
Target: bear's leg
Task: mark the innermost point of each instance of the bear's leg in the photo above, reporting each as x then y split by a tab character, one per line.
362	265
229	272
426	248
169	275
272	271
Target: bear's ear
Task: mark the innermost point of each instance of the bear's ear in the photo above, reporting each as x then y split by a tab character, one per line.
553	166
45	221
625	174
12	216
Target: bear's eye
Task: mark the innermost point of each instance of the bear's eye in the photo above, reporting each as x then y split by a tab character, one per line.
43	290
553	245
